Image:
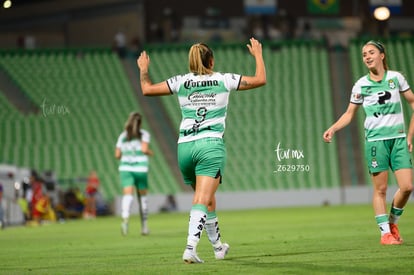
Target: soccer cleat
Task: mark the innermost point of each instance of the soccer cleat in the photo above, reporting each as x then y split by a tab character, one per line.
395	232
190	257
388	239
124	228
221	251
145	231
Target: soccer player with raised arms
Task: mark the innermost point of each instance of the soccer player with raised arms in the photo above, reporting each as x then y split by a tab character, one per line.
387	143
203	95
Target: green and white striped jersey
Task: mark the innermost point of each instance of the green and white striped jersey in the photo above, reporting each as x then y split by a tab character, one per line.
384	118
132	158
203	100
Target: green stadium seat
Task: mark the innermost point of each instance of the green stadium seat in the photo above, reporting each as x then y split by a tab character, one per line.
96	91
293	109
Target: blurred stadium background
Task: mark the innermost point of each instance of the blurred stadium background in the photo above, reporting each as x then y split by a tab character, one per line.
66	91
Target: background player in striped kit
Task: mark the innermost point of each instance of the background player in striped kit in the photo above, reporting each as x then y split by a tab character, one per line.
203	97
387	144
132	148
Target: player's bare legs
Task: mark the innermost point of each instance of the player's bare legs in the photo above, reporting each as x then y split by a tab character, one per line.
404	179
204	191
401	196
213	232
380	184
387	223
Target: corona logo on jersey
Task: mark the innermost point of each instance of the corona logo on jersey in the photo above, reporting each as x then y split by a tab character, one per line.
203	83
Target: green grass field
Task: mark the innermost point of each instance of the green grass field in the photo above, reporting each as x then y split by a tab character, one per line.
303	240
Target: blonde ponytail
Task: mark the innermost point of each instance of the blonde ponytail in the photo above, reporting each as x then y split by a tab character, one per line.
200	59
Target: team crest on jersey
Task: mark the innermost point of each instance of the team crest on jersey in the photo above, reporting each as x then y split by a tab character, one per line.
391	84
374	163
